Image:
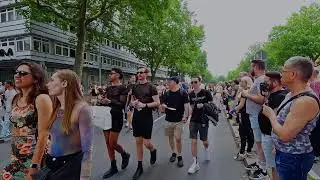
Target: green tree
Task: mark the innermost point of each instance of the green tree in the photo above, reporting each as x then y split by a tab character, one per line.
298	37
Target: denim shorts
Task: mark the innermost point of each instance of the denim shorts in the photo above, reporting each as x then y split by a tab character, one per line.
267	146
196	128
294	166
255	127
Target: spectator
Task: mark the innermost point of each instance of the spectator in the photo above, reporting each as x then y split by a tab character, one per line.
253	108
294	121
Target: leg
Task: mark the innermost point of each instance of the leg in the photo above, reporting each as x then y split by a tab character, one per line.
139	144
243	138
193	129
177	136
106	137
204	138
113	141
147	143
171	143
194	148
275	175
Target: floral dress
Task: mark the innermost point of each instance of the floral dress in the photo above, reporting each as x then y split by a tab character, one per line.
23	142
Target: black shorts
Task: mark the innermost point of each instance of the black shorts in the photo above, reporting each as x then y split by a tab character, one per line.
194	128
142	123
116	120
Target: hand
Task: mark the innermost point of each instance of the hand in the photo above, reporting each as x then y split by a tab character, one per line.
267	111
185	120
162	107
106	101
30	173
244	93
140	105
199	106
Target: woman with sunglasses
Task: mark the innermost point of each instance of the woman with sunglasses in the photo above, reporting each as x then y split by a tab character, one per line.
30	110
71	130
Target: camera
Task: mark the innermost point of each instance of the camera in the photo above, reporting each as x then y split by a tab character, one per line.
264	88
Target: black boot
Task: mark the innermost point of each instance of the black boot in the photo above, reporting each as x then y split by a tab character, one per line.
138	172
125	160
153	156
112	171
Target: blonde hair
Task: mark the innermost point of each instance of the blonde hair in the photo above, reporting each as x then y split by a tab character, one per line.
248	82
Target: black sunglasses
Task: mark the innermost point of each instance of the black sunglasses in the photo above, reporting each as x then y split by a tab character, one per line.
194	82
141	72
21	73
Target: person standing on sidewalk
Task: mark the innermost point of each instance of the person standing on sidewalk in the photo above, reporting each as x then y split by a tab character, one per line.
275	95
144	98
253	108
245	130
8	97
176	106
198	123
294	121
129	109
115	97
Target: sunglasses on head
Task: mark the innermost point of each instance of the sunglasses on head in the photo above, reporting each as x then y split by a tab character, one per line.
141	72
21	73
194	82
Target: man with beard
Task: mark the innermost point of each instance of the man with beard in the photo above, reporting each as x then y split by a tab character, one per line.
276	95
115	97
144	98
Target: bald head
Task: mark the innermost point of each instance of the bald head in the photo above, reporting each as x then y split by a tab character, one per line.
303	66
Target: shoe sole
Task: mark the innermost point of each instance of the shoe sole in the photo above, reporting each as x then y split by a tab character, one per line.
190	173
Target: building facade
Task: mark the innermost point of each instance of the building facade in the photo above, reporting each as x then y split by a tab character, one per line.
53	49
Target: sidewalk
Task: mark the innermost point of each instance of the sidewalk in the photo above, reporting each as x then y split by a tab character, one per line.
314	174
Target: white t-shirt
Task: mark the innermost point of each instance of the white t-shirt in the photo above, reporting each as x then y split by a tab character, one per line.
9	95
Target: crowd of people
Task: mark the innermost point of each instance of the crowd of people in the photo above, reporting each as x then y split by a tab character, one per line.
50	123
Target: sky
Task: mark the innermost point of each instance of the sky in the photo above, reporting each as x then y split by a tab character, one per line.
233	25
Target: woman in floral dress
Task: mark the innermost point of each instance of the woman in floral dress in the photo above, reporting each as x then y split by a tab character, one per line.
29	134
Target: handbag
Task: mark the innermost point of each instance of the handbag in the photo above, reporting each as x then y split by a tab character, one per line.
102	117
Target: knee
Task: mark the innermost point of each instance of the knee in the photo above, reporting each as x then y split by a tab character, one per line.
147	144
178	139
139	141
206	143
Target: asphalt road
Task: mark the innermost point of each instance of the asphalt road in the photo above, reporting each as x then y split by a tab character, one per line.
221	167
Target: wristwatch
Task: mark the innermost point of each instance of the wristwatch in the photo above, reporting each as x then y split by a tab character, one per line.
35	166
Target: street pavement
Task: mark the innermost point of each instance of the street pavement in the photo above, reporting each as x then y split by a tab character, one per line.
221	167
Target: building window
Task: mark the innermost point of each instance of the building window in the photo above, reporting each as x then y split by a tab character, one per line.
18	14
72	52
58	50
10	14
113	62
11	41
3	16
65	51
45	46
4	42
23	44
37	44
108	43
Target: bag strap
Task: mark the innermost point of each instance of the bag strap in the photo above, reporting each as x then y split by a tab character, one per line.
297	96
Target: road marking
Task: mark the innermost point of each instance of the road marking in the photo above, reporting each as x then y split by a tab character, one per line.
312	175
159	118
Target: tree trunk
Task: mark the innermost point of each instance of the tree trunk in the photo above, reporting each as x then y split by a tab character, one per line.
153	74
81	39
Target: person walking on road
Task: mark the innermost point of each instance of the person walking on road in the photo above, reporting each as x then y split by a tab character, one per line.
144	98
8	97
253	108
30	109
71	130
176	106
115	97
198	123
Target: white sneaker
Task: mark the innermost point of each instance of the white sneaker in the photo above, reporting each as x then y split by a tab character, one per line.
194	168
207	154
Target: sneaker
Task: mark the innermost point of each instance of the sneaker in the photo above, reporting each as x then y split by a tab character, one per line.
180	162
207	154
173	157
194	168
259	174
249	154
252	167
153	156
239	157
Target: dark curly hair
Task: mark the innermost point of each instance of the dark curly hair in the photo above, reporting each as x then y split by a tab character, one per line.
40	78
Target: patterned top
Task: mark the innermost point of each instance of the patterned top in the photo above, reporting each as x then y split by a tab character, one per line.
301	143
80	138
24	121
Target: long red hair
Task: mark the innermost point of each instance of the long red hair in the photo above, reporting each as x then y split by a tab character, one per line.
72	94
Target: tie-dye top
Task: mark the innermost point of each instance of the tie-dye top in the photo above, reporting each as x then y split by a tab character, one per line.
301	143
80	138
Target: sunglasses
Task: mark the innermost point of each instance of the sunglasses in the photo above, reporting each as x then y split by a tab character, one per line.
21	73
194	82
141	72
112	73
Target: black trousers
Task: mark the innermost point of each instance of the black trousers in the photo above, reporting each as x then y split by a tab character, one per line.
246	133
315	140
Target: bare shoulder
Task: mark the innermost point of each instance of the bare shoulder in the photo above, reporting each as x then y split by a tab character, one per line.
306	104
43	98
